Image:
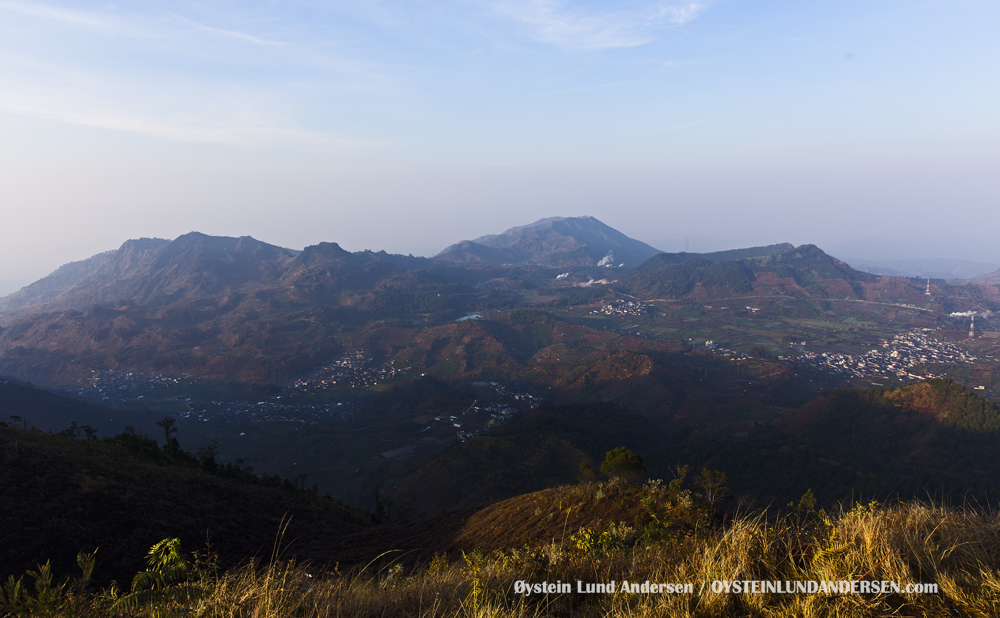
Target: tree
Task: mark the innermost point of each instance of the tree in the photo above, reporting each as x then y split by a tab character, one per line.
169	427
206	455
168	424
587	472
621	463
713	485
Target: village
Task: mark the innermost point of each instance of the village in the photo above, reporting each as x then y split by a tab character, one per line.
478	418
623	307
107	384
898	357
488	415
353	370
269	412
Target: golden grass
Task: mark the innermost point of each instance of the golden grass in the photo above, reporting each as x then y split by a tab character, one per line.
957	549
912	543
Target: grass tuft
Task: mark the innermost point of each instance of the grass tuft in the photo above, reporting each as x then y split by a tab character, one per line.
956	549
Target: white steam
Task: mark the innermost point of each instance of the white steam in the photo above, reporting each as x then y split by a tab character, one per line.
968	314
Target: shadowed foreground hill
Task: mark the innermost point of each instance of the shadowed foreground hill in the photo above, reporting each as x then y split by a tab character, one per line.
60	494
542	449
34	407
930	439
864	560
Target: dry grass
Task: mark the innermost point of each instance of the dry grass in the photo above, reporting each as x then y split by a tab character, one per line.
959	550
911	543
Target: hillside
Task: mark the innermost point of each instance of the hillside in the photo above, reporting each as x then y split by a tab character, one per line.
864	560
154	272
45	289
68	492
992	277
669	280
201	271
930	437
715	256
777	269
542	449
224	308
556	241
50	412
530	519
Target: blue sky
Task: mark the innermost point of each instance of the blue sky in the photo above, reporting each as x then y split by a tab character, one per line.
859	126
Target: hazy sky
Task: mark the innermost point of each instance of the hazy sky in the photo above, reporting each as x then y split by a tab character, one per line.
408	125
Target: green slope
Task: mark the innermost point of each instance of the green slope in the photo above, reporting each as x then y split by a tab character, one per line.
60	494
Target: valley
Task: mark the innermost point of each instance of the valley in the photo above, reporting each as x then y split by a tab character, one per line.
361	372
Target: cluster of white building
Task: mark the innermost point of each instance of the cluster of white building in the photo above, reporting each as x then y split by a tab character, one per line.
622	307
108	383
897	357
354	370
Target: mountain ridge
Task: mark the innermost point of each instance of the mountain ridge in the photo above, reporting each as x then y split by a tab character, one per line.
554	241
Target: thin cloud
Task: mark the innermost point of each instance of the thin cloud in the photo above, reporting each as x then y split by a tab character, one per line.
92	20
228	33
51	13
682	13
166	129
560	23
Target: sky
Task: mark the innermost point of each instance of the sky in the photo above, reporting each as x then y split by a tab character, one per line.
867	128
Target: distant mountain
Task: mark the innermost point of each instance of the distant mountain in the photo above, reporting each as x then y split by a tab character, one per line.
556	241
930	268
718	256
47	288
808	263
220	306
153	272
195	267
794	270
993	276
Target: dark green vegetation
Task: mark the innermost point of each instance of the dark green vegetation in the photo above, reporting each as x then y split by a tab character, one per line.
24	405
541	449
671	280
932	439
72	491
621	463
928	440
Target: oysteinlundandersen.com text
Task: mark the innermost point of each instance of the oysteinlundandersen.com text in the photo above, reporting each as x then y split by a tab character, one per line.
743	586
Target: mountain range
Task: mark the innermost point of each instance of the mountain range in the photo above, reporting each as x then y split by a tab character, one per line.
197	268
239	308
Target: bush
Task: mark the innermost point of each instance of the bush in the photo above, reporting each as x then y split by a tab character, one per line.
622	464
